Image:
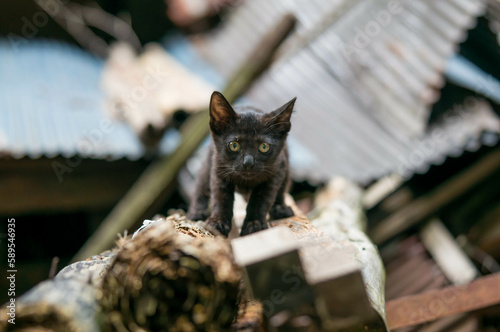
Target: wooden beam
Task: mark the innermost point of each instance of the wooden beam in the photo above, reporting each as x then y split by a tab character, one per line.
451	259
418	309
381	189
426	205
272	270
162	173
340	293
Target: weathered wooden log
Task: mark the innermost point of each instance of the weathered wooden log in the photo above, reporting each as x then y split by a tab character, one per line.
339	214
65	303
173	275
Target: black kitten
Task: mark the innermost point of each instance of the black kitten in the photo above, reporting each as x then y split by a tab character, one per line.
249	155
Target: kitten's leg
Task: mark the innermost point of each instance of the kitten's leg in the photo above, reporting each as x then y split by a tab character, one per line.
259	204
280	210
222	201
198	207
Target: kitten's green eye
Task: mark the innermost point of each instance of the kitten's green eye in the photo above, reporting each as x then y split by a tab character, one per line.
264	147
234	146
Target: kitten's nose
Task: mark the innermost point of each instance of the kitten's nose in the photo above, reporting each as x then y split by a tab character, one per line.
248	162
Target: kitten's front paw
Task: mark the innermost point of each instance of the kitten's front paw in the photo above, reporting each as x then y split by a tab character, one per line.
198	215
218	225
250	227
281	212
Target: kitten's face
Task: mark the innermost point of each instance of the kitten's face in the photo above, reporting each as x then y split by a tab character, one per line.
248	143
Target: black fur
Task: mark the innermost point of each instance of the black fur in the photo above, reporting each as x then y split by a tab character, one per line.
263	177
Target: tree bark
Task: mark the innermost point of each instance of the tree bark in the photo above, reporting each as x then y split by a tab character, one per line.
173	275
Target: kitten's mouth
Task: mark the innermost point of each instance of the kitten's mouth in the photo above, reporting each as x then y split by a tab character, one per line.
248	175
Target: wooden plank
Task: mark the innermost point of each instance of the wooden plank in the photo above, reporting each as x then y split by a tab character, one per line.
381	189
426	205
340	296
426	307
261	246
454	263
272	270
456	323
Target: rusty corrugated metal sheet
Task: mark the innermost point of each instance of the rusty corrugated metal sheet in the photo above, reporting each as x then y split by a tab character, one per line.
365	83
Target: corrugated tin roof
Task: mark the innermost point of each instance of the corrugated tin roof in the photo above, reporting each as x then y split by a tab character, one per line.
51	104
365	84
493	16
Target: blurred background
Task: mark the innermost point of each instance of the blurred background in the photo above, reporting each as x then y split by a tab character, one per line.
401	97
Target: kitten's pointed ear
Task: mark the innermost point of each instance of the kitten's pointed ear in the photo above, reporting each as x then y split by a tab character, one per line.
279	120
222	114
